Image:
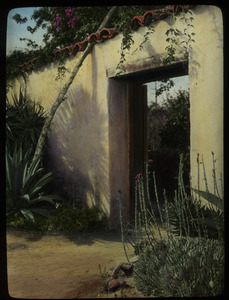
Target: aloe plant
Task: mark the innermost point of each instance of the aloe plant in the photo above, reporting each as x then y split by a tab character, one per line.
26	182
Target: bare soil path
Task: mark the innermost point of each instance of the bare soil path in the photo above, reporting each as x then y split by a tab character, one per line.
64	267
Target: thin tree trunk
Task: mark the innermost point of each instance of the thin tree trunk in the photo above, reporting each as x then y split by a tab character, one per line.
60	97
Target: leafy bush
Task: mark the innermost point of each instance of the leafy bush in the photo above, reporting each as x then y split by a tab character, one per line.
175	133
18	221
77	219
26	185
63	220
15	59
181	267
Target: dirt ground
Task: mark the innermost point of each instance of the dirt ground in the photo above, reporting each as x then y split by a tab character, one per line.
64	267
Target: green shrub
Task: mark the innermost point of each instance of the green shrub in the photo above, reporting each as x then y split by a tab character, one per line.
17	221
168	135
181	267
68	219
63	220
175	133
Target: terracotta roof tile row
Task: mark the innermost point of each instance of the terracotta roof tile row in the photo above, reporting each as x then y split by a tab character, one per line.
158	14
96	37
28	66
80	46
100	36
108	33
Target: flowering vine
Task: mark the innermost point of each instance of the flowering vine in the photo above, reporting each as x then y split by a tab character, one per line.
67	18
71	22
68	12
57	21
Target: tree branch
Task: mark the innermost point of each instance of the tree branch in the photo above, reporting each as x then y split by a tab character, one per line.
60	97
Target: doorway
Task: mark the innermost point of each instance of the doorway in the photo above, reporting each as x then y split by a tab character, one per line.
159	129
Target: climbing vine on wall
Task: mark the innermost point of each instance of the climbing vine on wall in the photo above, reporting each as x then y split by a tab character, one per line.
179	42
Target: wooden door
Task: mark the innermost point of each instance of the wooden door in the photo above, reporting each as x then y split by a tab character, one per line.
138	135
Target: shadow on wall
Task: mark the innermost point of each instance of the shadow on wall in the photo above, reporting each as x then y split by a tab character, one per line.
78	149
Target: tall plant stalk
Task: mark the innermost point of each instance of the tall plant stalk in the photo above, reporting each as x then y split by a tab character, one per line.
184	216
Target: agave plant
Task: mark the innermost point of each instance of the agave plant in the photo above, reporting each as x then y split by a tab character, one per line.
191	218
26	183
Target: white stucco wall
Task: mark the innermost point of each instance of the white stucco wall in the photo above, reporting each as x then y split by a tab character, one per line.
81	137
206	93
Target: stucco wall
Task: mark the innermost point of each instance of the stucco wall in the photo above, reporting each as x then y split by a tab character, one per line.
89	140
206	94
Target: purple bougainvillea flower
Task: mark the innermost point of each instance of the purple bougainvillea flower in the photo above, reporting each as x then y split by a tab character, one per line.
68	12
150	161
71	22
57	20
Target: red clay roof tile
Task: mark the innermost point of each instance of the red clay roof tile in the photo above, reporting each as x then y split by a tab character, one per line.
80	46
28	66
96	37
158	14
103	34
